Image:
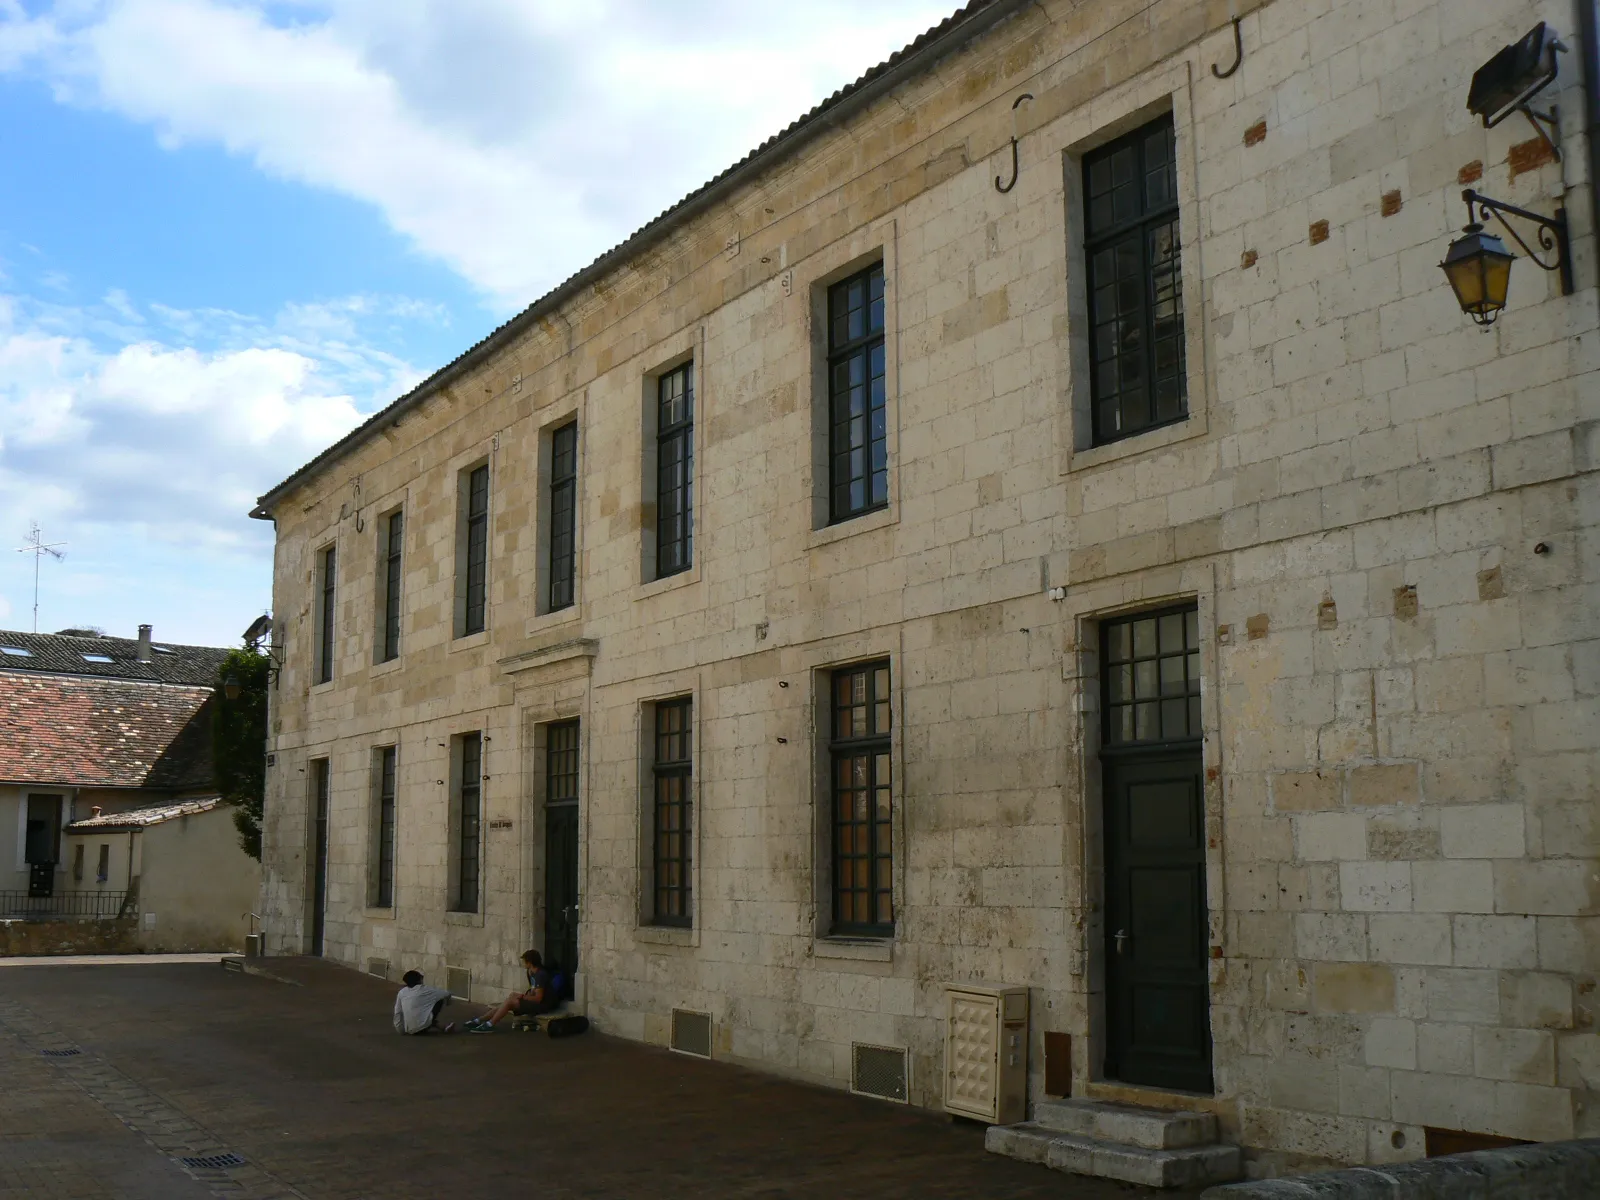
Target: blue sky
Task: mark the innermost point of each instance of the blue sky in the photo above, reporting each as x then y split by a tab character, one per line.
231	228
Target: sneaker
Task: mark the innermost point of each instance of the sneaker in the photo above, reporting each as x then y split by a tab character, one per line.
450	1028
479	1027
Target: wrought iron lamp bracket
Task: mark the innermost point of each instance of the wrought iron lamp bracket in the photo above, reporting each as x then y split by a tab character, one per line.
1553	238
1546	124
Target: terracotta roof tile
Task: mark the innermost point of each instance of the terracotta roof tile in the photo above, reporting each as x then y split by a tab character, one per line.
103	732
143	818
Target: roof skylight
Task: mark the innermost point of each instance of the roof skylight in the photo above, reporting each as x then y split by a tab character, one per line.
17	651
98	658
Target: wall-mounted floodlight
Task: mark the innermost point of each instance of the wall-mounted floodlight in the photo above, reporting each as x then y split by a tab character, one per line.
1514	76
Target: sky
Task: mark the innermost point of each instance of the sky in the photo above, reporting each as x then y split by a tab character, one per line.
231	229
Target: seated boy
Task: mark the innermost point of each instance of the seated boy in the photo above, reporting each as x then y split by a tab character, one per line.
416	1008
540	997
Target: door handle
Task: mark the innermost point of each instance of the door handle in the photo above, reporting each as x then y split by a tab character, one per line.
1120	936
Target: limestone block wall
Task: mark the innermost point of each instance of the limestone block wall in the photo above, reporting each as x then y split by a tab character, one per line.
1400	687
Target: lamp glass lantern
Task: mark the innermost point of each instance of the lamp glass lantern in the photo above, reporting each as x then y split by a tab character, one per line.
230	686
1478	266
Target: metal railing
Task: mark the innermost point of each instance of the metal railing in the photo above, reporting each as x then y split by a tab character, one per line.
101	905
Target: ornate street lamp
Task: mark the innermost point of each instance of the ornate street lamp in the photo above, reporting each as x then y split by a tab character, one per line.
1478	265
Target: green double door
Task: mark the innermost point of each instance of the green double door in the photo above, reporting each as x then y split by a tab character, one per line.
1157	982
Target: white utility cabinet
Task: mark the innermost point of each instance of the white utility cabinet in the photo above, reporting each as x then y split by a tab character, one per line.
986	1052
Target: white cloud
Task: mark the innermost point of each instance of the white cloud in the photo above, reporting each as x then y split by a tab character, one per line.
173	442
512	139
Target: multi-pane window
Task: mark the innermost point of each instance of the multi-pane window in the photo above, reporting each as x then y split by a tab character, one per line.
1135	284
394	540
1152	677
561	763
674	812
469	816
477	550
102	871
563	513
327	569
675	471
858	437
383	880
863	843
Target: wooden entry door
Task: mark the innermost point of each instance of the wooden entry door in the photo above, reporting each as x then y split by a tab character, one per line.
1157	989
42	844
561	907
319	852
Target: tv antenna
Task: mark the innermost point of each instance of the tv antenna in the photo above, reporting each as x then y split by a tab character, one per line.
38	547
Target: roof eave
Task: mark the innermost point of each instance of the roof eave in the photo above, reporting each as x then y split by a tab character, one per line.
782	145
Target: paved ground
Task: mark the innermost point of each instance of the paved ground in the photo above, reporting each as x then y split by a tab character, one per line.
308	1085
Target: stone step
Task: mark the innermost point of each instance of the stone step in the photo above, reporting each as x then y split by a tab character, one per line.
1151	1128
1188	1166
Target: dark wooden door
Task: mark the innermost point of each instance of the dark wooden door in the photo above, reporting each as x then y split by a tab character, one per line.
42	844
1157	989
319	853
561	891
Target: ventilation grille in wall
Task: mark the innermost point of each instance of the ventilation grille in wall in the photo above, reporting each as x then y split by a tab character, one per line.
691	1032
378	967
879	1071
459	981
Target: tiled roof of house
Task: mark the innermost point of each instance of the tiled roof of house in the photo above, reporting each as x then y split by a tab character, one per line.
79	732
143	818
82	654
950	34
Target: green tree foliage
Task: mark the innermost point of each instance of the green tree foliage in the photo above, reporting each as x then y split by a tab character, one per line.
239	742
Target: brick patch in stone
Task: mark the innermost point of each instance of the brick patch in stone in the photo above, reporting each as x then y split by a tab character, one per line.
1256	134
1529	156
1256	627
1405	602
1319	232
1490	584
1247	260
1391	203
1470	173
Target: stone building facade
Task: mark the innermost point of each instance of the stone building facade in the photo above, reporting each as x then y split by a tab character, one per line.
1261	629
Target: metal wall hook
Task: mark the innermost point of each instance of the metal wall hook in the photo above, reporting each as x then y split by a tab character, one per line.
1002	188
1238	53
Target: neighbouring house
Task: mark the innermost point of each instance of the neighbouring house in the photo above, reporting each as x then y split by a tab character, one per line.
1041	521
92	728
179	861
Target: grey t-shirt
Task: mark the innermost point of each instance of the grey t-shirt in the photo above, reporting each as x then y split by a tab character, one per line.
413	1007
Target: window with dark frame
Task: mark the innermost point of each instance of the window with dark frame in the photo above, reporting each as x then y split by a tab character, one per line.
103	868
77	864
394	541
383	889
561	763
563	514
858	414
469	813
675	471
863	840
477	564
1135	283
673	816
325	623
1151	680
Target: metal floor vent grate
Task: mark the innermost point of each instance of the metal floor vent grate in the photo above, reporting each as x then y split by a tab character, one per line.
213	1162
60	1053
459	981
378	967
691	1032
878	1071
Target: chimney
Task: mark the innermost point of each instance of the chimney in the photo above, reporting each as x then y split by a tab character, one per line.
144	644
94	812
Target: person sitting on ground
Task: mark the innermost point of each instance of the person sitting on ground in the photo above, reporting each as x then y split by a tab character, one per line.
417	1008
541	997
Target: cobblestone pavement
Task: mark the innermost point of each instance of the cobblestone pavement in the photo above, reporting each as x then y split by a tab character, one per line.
111	1076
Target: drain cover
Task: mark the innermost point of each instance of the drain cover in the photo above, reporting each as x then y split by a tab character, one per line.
213	1161
60	1053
